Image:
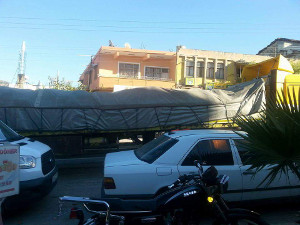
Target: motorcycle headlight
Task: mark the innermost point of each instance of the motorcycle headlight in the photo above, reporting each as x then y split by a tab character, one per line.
210	199
27	161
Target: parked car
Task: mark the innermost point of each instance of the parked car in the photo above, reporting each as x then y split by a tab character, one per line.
38	171
145	172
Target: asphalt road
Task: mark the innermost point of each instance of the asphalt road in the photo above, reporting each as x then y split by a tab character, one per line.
86	181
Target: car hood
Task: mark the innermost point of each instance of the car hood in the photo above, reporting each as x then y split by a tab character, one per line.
123	158
31	147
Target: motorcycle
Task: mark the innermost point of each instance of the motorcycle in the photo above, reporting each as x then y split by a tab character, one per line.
180	204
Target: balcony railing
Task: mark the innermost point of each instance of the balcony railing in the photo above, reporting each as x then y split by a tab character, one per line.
145	77
128	76
156	78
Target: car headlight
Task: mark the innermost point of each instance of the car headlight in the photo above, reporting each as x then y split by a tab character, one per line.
27	161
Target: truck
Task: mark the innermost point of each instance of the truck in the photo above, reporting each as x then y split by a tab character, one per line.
65	120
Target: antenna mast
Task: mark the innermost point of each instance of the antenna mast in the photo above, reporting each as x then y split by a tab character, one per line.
21	66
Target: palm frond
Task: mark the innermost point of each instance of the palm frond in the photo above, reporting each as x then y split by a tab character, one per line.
274	138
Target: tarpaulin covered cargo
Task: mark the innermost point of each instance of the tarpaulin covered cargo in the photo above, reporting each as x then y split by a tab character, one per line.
133	109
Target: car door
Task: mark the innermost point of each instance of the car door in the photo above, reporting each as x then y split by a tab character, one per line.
252	190
217	152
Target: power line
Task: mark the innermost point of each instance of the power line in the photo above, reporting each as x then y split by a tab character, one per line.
138	21
129	27
94	49
146	32
111	21
133	27
111	26
47	46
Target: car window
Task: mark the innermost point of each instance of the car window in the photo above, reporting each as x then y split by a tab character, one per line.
155	148
242	149
210	152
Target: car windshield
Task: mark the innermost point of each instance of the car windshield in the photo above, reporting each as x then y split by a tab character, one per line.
155	148
7	134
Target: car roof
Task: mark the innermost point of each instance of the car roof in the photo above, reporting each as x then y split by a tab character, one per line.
204	133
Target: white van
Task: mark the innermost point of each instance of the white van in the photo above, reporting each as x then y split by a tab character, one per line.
38	171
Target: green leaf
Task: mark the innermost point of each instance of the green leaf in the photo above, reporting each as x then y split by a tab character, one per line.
274	137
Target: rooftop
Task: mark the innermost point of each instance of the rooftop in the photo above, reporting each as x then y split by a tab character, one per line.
117	51
279	39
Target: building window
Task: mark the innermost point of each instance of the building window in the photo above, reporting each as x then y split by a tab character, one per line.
200	69
189	69
156	73
210	70
220	71
130	70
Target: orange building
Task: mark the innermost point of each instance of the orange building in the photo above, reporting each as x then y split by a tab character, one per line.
115	68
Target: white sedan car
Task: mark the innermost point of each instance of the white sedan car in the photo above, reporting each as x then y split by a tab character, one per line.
145	172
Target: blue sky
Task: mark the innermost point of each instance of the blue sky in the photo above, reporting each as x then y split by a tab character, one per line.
57	32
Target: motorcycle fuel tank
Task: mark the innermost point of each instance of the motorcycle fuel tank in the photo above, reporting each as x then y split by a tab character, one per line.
184	197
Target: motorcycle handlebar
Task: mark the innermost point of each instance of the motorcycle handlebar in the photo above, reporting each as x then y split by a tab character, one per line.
182	179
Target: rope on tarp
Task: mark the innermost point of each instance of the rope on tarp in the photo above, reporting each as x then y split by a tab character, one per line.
136	117
39	130
157	118
96	124
225	107
41	118
226	112
168	116
200	122
86	123
61	119
124	119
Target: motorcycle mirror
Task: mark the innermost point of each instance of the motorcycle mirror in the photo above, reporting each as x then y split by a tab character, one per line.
197	163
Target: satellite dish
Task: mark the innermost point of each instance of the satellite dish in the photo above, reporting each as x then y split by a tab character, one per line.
127	45
111	44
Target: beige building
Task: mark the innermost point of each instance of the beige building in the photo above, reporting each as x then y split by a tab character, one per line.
115	68
211	69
